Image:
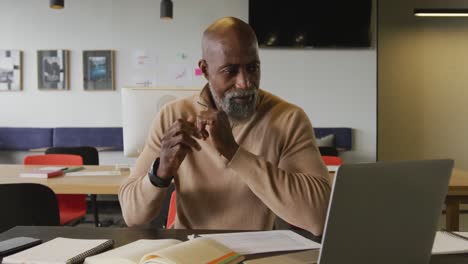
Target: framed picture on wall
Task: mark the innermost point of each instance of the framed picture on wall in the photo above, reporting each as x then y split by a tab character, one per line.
52	69
98	70
10	70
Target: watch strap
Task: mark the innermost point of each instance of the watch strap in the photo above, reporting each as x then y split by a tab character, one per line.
155	179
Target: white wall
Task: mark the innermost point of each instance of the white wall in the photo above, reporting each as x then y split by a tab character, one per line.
335	87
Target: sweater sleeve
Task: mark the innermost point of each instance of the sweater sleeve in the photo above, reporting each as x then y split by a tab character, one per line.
140	200
297	189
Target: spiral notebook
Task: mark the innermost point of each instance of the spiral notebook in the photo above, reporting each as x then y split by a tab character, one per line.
61	251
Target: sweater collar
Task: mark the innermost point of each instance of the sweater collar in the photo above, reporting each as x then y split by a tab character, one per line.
205	100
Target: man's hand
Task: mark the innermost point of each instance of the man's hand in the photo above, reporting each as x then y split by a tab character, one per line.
176	143
216	125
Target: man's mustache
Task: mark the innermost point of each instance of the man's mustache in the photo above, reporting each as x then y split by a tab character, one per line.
241	93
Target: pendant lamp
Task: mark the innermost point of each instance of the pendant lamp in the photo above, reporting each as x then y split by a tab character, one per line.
57	4
166	9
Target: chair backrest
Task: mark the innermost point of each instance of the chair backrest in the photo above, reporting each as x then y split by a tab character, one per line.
172	212
27	204
71	206
328	151
90	155
53	159
332	160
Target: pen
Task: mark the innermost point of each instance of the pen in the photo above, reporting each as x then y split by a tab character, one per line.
67	170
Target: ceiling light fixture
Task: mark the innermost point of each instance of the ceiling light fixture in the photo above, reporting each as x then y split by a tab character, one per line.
441	12
166	9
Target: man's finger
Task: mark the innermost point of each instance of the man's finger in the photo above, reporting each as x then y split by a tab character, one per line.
211	115
186	140
185	127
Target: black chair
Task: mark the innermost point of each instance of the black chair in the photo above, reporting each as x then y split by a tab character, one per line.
328	151
90	156
27	204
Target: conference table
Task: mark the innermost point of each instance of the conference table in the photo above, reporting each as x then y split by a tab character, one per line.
92	184
122	236
457	192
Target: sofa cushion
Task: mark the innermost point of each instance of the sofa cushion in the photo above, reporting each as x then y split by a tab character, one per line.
25	138
110	137
343	136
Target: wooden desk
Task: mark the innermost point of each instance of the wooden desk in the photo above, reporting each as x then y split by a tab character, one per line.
457	194
67	185
122	236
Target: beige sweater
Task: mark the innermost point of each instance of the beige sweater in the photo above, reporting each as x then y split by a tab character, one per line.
276	171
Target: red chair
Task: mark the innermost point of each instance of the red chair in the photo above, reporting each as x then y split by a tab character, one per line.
332	160
71	206
171	215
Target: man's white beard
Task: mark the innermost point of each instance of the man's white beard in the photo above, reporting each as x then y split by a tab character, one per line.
235	110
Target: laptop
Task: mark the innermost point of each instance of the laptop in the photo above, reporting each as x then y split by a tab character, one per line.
385	212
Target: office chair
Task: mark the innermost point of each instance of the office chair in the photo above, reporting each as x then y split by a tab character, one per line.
332	160
90	156
72	207
27	204
328	151
172	212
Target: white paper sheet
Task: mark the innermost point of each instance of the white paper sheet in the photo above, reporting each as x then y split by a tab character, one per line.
446	244
59	250
332	168
263	241
52	168
93	173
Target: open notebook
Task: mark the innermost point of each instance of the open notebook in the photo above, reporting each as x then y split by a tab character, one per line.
60	251
168	251
207	248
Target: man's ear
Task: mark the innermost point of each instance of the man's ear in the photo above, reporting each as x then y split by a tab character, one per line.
203	67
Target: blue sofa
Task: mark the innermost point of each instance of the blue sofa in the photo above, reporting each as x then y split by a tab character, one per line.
14	138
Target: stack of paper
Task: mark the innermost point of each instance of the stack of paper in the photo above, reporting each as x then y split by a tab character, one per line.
446	243
43	173
264	241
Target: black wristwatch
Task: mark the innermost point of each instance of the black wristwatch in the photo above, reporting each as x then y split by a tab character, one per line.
155	179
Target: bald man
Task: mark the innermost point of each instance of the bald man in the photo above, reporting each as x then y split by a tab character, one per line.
238	156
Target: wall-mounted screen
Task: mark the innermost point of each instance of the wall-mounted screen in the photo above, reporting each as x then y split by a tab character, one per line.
311	23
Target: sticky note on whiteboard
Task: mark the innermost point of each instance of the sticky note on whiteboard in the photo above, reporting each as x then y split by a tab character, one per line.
198	72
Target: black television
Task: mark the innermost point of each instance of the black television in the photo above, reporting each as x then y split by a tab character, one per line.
311	23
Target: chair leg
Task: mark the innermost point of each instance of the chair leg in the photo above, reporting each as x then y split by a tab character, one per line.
95	210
